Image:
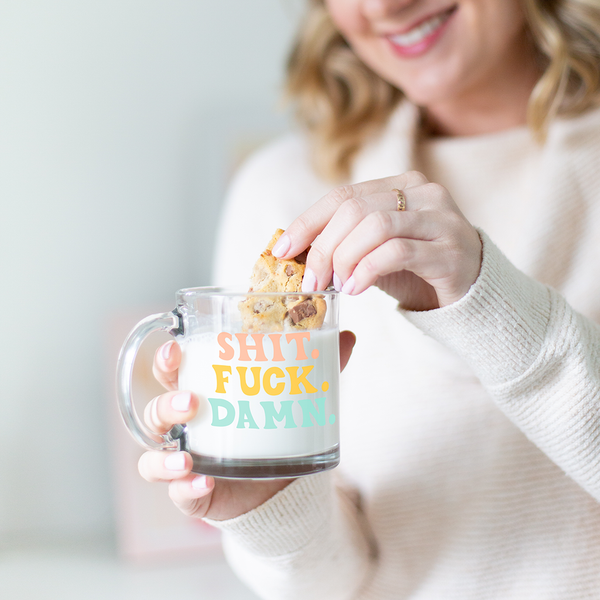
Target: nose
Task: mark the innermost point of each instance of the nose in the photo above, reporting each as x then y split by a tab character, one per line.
377	9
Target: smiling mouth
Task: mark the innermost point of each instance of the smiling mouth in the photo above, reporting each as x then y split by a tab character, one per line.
423	30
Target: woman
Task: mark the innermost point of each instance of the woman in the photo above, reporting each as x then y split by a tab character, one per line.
467	252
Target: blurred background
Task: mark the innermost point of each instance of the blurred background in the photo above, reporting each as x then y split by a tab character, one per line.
121	122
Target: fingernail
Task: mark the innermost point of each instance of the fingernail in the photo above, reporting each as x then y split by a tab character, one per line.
281	247
309	281
175	462
166	350
349	286
337	284
199	483
181	401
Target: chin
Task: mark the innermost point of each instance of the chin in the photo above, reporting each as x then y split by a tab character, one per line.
428	96
432	86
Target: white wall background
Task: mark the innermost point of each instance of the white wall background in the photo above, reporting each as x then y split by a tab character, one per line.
114	121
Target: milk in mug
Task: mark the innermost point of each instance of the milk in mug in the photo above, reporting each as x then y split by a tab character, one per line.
266	395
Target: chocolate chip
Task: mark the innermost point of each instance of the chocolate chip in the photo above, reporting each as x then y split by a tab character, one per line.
302	311
301	258
289	270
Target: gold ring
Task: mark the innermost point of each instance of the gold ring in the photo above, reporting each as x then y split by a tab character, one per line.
401	199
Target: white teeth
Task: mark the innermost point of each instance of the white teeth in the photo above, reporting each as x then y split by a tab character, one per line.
416	35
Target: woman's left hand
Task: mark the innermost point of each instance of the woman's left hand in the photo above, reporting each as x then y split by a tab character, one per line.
426	256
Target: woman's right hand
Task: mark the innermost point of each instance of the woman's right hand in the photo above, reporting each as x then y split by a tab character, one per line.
199	495
195	495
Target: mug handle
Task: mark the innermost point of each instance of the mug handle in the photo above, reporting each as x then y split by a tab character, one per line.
173	324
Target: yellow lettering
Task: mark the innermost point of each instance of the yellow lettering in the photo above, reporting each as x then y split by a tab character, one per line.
296	380
220	371
246	389
278	373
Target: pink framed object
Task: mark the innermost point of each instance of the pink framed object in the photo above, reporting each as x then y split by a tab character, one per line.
149	527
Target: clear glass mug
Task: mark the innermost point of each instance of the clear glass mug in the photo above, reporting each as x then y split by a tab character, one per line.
268	388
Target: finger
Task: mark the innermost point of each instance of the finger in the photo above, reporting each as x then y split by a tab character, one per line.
166	364
398	254
170	409
379	227
319	264
347	342
164	466
303	231
377	217
192	494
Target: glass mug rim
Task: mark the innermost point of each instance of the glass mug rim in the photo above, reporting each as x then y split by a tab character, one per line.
232	292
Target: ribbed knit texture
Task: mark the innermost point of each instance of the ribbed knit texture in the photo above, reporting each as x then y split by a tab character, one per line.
504	308
470	434
286	523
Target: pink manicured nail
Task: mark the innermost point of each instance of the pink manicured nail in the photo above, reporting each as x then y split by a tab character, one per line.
166	350
199	483
281	247
175	462
337	284
349	286
309	281
181	401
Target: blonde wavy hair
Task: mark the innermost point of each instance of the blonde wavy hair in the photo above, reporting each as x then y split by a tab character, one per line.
342	102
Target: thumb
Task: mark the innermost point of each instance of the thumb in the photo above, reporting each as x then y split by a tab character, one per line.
347	341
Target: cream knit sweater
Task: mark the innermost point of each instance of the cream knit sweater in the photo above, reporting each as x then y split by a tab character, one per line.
470	434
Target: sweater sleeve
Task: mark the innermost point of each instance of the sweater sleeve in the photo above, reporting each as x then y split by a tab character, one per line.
308	541
535	355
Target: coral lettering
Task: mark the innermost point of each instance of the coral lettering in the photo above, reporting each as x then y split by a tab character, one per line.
256	345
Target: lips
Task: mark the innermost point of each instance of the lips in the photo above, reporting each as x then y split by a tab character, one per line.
420	37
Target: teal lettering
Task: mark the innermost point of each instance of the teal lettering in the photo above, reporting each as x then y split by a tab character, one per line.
218	421
246	416
285	412
311	414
